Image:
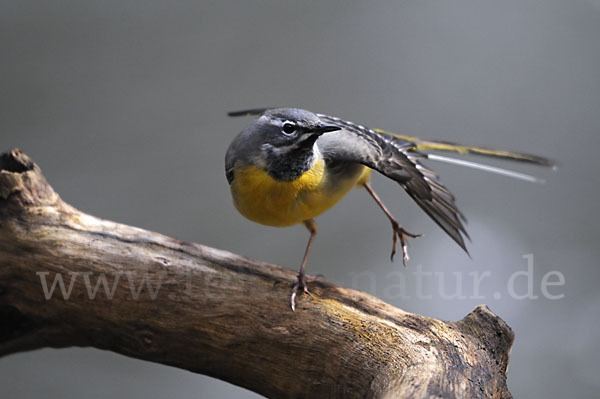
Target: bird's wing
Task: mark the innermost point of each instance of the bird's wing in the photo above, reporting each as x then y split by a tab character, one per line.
399	160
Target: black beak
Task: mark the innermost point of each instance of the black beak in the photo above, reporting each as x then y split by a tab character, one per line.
326	128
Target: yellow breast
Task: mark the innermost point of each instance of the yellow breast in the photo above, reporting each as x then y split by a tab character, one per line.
265	200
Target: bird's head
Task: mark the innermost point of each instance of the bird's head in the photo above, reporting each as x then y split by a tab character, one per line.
284	130
280	141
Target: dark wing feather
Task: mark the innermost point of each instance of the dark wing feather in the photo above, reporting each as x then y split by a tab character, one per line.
399	160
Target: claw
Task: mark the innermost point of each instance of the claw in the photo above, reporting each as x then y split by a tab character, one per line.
399	232
293	301
300	283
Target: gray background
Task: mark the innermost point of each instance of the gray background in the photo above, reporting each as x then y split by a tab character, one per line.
122	104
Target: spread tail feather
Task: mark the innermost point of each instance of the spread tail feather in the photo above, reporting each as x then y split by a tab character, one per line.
486	168
434	145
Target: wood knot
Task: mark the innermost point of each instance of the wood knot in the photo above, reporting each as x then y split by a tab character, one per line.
22	181
16	161
146	339
492	332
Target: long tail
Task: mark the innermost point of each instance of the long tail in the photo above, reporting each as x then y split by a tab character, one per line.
435	145
430	145
486	168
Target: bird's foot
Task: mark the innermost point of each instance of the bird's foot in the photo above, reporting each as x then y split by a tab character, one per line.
307	279
299	286
402	234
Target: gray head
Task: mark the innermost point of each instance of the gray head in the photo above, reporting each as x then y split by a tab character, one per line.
281	141
284	129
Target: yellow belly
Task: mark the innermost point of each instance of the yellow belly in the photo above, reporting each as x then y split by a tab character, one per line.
265	200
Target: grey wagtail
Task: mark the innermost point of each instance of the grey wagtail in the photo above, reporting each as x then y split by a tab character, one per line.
291	165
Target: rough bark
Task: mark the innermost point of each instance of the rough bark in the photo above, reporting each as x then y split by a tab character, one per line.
220	314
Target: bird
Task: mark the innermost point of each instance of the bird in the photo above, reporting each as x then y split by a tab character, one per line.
290	165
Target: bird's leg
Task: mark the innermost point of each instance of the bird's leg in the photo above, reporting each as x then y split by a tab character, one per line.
300	283
398	230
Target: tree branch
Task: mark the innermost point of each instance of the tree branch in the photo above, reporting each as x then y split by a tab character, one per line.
216	313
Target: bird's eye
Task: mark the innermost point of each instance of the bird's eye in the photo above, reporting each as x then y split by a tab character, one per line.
288	127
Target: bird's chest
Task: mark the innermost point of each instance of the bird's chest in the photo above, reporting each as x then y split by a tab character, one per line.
265	200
